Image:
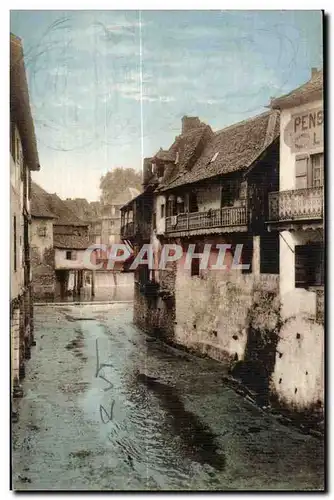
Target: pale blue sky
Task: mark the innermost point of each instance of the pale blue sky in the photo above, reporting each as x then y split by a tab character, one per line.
84	78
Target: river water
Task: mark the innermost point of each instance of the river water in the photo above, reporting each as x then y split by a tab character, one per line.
107	407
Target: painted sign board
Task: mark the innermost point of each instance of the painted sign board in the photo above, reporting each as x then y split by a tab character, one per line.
304	131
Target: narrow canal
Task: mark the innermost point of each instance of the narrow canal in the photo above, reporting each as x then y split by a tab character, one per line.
106	407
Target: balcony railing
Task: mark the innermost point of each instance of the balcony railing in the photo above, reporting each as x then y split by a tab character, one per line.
128	230
298	204
141	229
223	217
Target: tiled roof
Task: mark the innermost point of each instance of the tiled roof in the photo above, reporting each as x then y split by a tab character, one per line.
70	241
189	147
54	205
234	148
20	111
165	155
302	93
40	203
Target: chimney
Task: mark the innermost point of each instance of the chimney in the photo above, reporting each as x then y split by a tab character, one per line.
314	72
189	123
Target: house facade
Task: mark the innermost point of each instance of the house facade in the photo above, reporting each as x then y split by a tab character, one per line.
60	240
23	160
42	251
208	191
296	213
209	188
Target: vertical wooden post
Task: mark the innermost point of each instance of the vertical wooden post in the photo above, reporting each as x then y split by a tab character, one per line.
93	284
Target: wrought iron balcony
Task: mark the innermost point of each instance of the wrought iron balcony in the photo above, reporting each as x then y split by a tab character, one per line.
296	205
220	218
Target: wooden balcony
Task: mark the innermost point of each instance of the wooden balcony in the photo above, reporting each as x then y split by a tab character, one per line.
296	205
228	218
136	230
128	231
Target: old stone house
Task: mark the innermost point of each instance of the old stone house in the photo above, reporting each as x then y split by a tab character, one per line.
42	251
296	213
59	245
23	160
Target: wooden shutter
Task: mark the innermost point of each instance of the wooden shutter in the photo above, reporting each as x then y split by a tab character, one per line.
301	171
302	266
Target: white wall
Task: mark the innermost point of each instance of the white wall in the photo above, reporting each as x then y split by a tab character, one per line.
287	158
295	300
16	199
62	263
298	378
160	221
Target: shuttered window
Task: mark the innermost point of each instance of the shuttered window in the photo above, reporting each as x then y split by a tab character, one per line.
309	265
301	171
309	171
317	162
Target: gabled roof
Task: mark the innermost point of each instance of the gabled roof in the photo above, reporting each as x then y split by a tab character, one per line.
232	149
306	92
40	203
70	241
186	150
55	206
20	112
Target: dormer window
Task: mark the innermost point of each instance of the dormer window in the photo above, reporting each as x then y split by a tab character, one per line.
214	157
177	158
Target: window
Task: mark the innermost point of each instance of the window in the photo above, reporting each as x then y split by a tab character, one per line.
14	243
247	255
309	265
269	253
301	171
230	192
317	163
144	272
193	206
162	211
177	158
179	205
42	231
68	255
309	171
195	262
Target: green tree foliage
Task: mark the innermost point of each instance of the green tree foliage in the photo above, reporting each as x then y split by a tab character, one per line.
116	181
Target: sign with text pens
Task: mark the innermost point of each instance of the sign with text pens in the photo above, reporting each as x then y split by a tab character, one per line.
304	131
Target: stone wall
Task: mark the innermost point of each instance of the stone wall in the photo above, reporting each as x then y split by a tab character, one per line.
213	311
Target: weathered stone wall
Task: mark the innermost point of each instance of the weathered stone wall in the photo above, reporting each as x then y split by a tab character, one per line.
213	311
43	282
42	259
298	378
239	318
